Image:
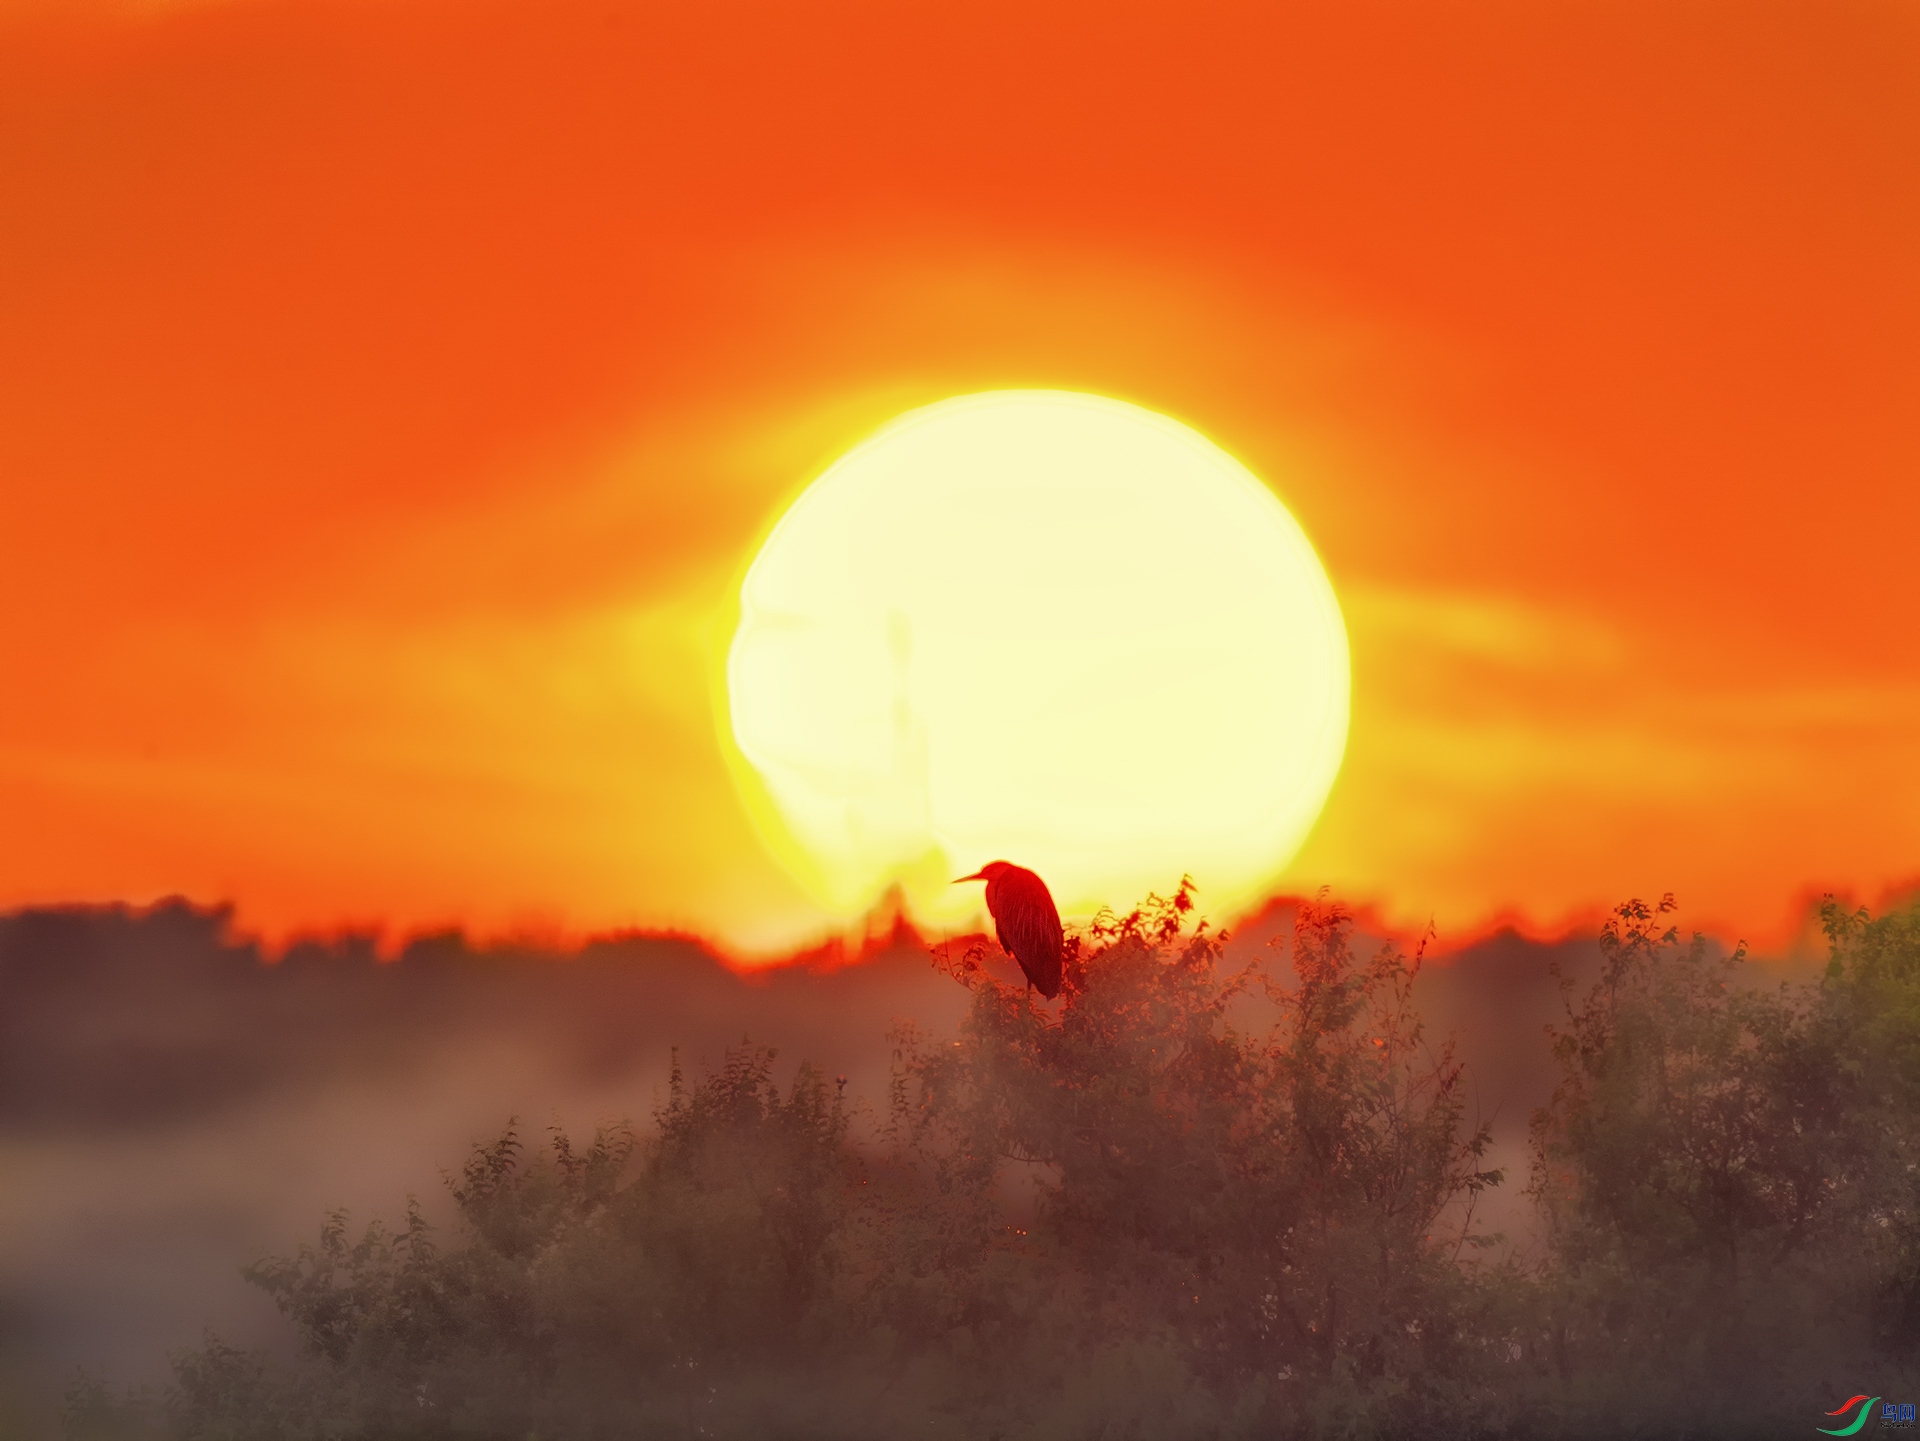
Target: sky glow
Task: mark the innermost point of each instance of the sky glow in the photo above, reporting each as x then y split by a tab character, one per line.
392	396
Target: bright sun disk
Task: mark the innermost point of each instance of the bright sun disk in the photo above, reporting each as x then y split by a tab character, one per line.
1044	626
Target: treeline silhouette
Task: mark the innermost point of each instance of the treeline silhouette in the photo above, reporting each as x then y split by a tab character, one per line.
1195	1199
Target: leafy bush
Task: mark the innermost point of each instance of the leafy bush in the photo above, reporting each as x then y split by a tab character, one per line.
1280	1204
1728	1179
1189	1201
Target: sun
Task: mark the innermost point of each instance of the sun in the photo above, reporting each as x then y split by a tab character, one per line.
1044	626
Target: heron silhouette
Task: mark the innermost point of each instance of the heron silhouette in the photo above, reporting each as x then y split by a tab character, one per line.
1024	921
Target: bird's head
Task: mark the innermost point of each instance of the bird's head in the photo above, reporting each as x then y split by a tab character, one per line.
991	871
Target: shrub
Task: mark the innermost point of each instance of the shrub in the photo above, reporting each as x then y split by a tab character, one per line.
1190	1201
1727	1178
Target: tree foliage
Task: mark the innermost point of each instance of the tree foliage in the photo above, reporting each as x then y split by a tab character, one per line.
1191	1200
1727	1177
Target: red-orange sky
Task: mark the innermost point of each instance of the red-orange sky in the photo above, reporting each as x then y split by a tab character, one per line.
391	392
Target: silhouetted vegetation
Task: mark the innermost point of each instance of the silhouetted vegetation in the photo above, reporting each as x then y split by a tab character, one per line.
1192	1200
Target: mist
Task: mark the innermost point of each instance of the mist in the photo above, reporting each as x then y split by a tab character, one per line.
173	1102
1476	1191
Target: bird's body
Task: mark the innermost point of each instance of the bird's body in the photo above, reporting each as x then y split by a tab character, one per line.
1025	922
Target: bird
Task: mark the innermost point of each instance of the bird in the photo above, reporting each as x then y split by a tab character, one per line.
1025	922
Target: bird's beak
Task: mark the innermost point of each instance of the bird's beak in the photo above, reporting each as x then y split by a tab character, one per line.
976	876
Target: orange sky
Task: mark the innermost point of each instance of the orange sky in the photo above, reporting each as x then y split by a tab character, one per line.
390	394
